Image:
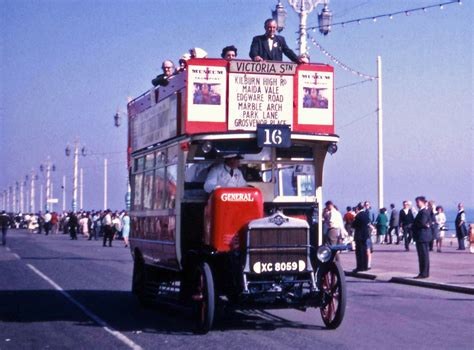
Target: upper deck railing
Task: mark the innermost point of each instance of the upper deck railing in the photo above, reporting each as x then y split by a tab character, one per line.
215	96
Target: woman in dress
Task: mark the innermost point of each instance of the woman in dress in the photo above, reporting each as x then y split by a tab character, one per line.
125	228
441	222
382	225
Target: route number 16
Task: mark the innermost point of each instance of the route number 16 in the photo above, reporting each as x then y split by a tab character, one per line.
273	136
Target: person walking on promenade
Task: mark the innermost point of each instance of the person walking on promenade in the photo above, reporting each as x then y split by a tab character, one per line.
84	224
47	222
116	225
96	224
4	225
406	223
361	236
54	223
461	228
434	225
125	228
40	223
441	222
348	218
33	223
370	248
108	229
335	224
72	225
393	225
422	235
382	225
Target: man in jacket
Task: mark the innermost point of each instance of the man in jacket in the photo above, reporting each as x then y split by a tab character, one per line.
406	219
422	236
4	224
361	235
271	47
393	225
461	229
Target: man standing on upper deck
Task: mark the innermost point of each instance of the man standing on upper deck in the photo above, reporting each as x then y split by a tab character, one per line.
271	47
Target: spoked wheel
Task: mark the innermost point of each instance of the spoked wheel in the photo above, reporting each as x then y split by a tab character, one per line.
203	298
140	281
333	287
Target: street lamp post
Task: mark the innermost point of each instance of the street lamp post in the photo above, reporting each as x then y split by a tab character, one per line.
380	132
33	178
48	166
22	208
76	164
304	8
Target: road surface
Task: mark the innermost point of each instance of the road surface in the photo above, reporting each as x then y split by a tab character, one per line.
56	293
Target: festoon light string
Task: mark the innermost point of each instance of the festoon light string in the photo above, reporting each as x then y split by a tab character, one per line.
374	19
339	63
391	15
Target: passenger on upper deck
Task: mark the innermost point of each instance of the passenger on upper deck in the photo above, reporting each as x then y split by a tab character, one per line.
229	53
197	52
183	63
226	174
271	47
168	72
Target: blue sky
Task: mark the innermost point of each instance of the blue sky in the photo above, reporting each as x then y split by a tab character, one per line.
66	66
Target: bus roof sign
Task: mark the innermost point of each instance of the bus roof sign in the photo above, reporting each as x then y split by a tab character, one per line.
281	68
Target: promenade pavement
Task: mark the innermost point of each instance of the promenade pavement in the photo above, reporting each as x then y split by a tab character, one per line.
451	270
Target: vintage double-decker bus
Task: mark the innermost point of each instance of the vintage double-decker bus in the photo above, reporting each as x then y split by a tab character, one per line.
259	245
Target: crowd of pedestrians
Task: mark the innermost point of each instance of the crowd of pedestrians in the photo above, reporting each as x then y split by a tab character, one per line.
91	225
423	225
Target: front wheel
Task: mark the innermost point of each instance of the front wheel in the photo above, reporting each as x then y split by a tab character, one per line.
333	288
140	281
203	298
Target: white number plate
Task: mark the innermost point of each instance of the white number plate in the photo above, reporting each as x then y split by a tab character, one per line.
291	266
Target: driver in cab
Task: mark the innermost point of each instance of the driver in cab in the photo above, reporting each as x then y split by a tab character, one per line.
226	174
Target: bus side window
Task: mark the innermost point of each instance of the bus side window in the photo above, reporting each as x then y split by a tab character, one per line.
159	188
137	180
171	182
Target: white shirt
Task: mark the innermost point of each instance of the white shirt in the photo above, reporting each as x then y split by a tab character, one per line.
335	219
270	43
440	219
47	217
108	220
219	176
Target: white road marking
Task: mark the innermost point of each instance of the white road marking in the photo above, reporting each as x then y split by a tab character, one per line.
8	249
120	336
16	256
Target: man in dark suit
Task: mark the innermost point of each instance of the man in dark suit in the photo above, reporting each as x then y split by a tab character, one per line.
361	235
406	220
393	225
5	222
422	236
271	47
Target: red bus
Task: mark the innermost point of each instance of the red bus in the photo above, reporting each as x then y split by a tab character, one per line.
252	243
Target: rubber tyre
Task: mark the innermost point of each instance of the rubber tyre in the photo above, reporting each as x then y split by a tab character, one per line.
333	282
204	307
140	281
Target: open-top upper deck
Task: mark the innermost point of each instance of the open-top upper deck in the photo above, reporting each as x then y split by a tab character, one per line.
218	96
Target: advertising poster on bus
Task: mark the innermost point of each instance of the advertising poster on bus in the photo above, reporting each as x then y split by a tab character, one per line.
157	123
206	93
315	98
